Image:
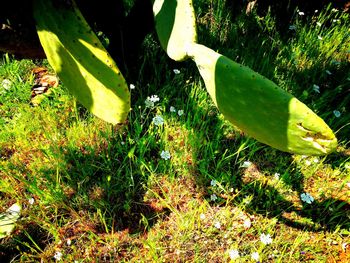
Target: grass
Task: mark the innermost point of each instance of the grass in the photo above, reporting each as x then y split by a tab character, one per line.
104	194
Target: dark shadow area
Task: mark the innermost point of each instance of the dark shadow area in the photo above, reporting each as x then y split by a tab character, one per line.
12	247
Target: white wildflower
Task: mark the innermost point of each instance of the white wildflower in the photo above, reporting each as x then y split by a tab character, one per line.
316	160
319	37
69	242
344	245
172	109
6	84
246	164
316	11
233	254
217	225
277	176
158	120
165	155
213	182
151	100
316	88
31	200
307	198
176	71
307	162
154	98
266	239
202	216
255	256
148	103
301	13
336	113
132	86
213	197
247	223
58	255
180	112
319	24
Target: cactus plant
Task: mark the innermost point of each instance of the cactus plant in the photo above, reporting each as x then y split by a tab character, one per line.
245	98
248	100
80	60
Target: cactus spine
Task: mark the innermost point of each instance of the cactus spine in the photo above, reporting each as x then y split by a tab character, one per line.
80	60
248	100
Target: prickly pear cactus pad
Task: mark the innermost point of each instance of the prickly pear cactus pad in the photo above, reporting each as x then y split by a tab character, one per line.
175	25
80	60
261	108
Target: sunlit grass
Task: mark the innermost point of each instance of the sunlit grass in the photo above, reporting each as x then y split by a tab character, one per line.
92	192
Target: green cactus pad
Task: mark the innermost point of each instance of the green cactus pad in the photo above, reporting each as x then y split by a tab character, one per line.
80	60
260	108
175	25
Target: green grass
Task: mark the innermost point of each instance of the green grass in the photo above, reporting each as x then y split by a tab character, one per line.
104	194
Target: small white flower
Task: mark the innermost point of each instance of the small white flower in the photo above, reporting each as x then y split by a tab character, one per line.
336	113
213	182
158	120
58	255
122	143
316	88
319	24
266	239
344	245
132	86
307	162
301	13
277	176
247	223
316	160
213	197
180	112
172	109
292	27
217	225
176	71
154	98
69	242
246	164
202	216
307	198
148	103
319	37
31	200
316	11
6	84
165	155
328	72
335	20
255	256
233	254
151	100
